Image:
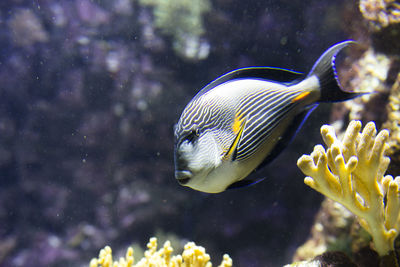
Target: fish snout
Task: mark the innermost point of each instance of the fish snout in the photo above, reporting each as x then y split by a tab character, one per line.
182	174
183	177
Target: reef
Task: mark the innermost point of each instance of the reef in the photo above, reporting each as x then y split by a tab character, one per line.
192	256
381	13
183	20
90	91
383	22
332	231
27	29
351	172
373	68
393	125
368	74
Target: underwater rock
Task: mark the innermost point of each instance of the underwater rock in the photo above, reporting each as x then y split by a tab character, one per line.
368	74
383	17
381	13
7	245
330	231
331	259
89	12
393	125
183	20
26	28
375	65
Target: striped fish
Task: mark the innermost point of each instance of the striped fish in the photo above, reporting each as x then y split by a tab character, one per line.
245	118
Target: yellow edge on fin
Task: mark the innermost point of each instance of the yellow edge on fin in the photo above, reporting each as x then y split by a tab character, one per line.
237	138
237	124
300	96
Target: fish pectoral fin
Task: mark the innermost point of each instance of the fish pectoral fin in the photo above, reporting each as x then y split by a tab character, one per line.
231	153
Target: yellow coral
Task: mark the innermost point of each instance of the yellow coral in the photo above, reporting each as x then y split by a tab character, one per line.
351	172
192	256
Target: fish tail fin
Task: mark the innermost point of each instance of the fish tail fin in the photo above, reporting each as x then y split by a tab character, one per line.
325	70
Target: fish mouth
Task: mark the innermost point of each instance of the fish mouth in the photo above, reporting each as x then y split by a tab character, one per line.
183	177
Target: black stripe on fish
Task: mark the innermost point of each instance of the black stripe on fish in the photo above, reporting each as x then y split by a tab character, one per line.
288	136
281	145
248	149
260	124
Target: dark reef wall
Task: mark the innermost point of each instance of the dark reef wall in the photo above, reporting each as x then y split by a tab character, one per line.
374	68
89	93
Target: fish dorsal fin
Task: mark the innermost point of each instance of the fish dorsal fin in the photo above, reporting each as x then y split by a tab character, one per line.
265	73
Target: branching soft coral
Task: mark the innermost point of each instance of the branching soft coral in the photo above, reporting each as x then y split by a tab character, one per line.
192	256
351	172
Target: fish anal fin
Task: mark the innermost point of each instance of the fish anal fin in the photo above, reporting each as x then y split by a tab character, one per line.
245	183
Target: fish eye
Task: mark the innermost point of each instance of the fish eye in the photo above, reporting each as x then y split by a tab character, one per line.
192	136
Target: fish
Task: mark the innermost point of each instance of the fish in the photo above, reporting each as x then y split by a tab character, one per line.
243	120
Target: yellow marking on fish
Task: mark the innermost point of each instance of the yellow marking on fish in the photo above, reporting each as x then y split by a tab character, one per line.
237	123
240	125
300	96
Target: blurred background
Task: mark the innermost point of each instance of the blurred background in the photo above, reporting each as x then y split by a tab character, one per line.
89	93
